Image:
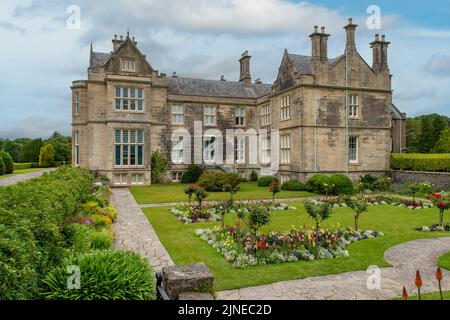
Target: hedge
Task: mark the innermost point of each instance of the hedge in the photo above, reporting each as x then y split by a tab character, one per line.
213	181
20	166
294	185
265	181
421	162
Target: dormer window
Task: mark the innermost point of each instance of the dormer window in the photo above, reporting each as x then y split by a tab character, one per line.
128	65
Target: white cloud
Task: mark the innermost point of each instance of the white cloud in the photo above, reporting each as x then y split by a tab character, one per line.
439	65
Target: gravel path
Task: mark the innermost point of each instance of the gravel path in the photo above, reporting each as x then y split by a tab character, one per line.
22	177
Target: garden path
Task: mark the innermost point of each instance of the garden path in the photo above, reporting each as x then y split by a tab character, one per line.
134	232
405	259
22	177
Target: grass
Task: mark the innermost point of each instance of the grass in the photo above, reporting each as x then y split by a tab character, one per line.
444	261
161	193
398	225
20	171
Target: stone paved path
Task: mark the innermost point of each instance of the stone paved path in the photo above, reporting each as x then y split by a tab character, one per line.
172	204
405	259
22	177
134	232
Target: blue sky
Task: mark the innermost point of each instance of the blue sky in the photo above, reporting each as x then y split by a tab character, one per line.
204	38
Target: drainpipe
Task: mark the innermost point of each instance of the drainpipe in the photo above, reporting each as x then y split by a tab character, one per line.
346	112
315	128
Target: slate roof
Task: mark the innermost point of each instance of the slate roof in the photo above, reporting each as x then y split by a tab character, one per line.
301	63
216	88
396	114
98	59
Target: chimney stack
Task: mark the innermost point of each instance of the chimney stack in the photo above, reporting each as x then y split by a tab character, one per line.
245	76
324	45
379	53
350	29
315	44
117	42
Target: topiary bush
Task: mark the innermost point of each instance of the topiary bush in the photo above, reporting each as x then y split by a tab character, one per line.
294	185
105	275
342	184
317	183
265	181
192	174
8	161
213	181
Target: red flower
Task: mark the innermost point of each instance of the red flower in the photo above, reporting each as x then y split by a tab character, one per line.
442	204
428	197
405	294
418	282
261	245
438	274
438	195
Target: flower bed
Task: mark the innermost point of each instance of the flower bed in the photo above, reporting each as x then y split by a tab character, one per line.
242	249
383	199
435	227
210	211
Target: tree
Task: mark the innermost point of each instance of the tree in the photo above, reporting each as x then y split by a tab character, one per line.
8	161
2	167
47	156
257	217
30	151
13	148
443	144
274	188
359	207
318	211
159	163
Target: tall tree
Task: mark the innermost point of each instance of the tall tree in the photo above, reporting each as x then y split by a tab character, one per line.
30	151
443	144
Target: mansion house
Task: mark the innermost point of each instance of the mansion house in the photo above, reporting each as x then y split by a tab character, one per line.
333	115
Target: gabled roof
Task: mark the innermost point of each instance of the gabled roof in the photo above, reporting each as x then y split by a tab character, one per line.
98	59
216	88
301	63
397	114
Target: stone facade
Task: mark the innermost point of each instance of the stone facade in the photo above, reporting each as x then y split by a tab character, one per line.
332	115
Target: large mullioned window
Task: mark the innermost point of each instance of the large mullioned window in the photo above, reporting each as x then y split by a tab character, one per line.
177	114
265	115
129	99
353	106
129	147
239	115
353	146
209	115
177	149
285	145
286	108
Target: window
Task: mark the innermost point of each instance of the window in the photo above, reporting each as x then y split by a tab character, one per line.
129	148
239	149
265	157
129	99
128	65
77	103
120	179
209	153
137	178
353	149
177	150
177	115
265	115
76	148
353	106
285	144
286	108
209	116
176	176
239	114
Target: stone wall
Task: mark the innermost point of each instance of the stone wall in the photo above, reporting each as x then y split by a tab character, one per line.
439	179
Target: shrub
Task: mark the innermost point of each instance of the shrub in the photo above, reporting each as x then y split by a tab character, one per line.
369	182
319	212
253	176
265	181
215	181
317	183
8	161
383	183
158	164
19	166
359	207
421	162
100	240
341	184
294	185
47	156
257	217
192	174
77	237
105	275
2	167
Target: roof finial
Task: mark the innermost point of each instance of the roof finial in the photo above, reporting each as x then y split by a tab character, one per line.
128	33
92	49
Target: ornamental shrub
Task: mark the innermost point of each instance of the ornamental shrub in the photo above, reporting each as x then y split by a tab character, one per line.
317	183
47	156
158	164
265	181
8	161
213	181
105	275
253	176
294	185
421	162
100	240
192	174
2	167
341	184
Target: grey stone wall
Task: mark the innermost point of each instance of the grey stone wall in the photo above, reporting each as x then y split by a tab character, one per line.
439	179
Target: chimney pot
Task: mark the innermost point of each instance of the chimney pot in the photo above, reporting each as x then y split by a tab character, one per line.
377	37
174	74
383	38
245	76
322	29
121	37
350	20
222	78
316	29
115	37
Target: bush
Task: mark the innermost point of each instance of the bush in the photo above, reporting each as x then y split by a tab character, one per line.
369	182
8	161
294	185
47	156
383	183
253	176
192	174
316	183
342	184
77	237
421	162
215	181
265	181
105	275
2	167
20	166
100	240
158	164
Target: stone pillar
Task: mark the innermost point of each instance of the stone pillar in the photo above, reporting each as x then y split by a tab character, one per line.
350	29
192	282
245	76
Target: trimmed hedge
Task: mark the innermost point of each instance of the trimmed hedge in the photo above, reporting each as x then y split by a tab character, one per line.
294	185
265	181
215	181
104	275
421	162
20	166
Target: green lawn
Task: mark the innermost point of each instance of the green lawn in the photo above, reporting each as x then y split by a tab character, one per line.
21	171
398	225
160	193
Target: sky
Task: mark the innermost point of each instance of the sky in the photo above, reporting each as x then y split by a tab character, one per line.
45	46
